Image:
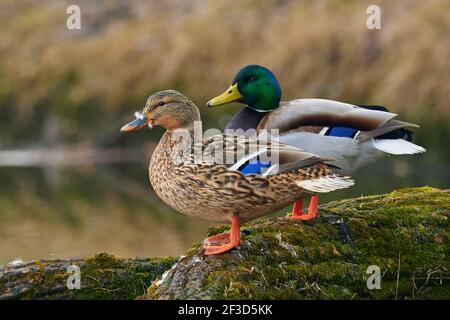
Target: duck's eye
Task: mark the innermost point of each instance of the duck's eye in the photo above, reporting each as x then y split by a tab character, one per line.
252	78
161	103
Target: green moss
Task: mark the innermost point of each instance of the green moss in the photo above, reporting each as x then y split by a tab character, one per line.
217	229
328	258
112	277
406	233
103	276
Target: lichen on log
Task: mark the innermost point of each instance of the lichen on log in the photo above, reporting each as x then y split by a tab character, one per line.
102	276
405	233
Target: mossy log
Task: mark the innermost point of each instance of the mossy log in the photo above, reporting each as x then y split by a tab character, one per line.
405	233
101	277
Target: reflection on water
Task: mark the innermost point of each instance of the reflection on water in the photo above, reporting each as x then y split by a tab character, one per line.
74	212
85	212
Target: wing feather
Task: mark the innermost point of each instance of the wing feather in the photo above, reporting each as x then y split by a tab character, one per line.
242	149
321	112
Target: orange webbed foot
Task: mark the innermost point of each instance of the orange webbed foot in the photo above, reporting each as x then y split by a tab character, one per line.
225	241
313	210
297	210
210	249
221	238
309	216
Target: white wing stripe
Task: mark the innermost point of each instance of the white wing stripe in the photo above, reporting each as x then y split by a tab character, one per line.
239	163
397	146
326	184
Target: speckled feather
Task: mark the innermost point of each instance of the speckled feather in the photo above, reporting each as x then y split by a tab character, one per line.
215	192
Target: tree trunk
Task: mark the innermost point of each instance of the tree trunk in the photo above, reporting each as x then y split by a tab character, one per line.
404	235
101	277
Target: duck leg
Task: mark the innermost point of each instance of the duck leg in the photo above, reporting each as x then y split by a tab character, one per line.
297	211
227	241
313	210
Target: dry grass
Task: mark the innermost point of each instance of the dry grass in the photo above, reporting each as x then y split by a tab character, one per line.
126	50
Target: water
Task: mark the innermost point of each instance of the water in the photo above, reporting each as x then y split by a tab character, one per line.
85	211
76	211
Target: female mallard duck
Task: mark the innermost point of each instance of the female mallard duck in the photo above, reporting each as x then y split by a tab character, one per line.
199	187
351	135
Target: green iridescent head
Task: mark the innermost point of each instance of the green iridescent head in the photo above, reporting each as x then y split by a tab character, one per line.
253	85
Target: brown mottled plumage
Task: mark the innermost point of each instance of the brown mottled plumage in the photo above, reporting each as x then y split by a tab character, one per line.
219	192
213	192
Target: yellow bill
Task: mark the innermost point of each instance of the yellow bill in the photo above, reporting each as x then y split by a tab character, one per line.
231	95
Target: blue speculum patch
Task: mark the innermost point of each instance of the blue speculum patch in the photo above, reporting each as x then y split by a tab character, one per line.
255	167
341	132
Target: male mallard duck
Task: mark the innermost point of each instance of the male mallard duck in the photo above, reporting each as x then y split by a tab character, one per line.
211	190
351	135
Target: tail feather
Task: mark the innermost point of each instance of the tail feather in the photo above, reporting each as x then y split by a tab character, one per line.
393	129
326	184
397	146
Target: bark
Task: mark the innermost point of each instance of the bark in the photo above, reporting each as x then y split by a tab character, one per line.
101	277
405	234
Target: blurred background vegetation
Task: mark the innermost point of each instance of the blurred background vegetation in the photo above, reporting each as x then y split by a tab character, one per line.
71	185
